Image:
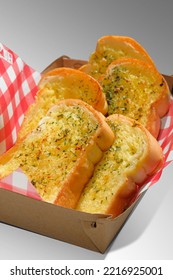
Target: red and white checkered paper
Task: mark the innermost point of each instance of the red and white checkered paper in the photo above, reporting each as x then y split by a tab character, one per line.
18	87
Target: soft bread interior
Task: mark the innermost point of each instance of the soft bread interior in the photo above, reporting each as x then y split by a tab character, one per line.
110	48
60	148
131	87
63	140
65	83
59	84
135	89
121	169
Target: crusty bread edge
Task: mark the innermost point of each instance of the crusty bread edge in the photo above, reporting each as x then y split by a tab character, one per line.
100	104
160	107
83	170
151	162
113	39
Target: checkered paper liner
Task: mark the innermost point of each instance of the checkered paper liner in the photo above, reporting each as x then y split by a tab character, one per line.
18	87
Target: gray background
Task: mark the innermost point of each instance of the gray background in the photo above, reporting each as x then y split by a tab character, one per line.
39	32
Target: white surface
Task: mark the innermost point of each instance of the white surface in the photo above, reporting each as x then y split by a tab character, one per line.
41	31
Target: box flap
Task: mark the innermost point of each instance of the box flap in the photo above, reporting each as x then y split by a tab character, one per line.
65	61
169	80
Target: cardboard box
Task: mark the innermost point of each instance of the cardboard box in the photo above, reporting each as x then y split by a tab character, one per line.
91	231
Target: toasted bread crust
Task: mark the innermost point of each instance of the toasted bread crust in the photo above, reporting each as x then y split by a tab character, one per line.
152	159
58	84
115	51
131	177
89	89
125	42
86	155
110	48
146	69
142	86
101	141
149	164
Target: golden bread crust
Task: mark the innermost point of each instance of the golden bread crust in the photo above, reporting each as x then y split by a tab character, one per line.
56	164
130	164
58	84
149	164
110	48
88	89
136	89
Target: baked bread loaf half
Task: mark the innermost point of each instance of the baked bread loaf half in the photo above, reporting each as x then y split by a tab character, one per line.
136	89
134	155
58	84
59	155
110	48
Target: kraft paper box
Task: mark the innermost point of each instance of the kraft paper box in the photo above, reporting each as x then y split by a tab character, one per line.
20	205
